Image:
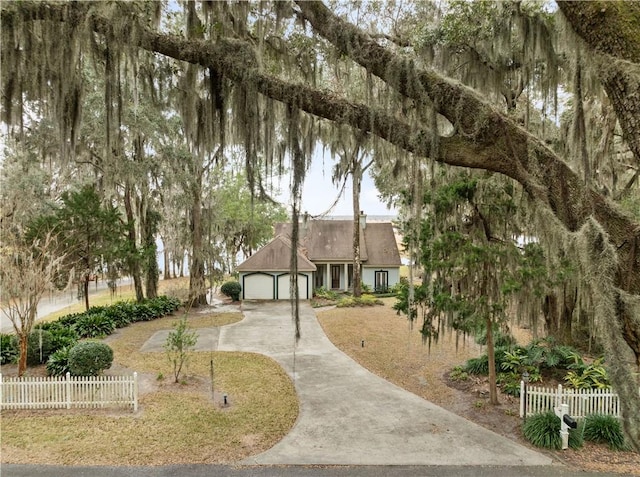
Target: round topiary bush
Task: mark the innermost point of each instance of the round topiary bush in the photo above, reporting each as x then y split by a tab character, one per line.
231	289
89	358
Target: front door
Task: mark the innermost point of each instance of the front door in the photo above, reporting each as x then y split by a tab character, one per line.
335	277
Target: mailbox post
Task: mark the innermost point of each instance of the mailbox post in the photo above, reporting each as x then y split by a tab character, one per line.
566	422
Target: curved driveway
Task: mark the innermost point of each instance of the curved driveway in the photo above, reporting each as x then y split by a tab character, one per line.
349	416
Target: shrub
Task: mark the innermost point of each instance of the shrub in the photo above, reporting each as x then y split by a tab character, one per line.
231	289
58	362
479	365
543	430
8	349
604	429
62	337
593	376
364	300
95	325
323	292
458	374
89	358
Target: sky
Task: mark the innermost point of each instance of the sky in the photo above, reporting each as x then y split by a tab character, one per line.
319	192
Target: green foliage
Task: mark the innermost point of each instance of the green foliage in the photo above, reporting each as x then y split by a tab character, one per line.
179	342
63	336
89	358
604	429
323	292
39	347
94	325
364	300
231	289
8	349
458	374
592	376
479	365
543	430
58	362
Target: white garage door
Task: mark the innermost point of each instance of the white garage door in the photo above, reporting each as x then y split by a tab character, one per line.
258	286
284	285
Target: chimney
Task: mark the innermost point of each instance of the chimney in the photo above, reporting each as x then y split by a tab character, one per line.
363	220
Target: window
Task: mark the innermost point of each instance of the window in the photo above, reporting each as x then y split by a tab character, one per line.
335	277
320	269
350	275
382	281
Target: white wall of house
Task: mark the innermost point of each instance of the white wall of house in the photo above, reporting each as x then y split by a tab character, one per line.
369	275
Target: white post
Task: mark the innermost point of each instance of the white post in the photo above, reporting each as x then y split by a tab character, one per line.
67	389
522	403
562	411
135	391
1	386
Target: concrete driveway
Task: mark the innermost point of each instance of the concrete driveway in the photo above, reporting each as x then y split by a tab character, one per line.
350	416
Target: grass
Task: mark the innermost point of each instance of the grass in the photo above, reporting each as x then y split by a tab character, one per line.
176	423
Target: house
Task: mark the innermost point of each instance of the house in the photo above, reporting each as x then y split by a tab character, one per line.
325	259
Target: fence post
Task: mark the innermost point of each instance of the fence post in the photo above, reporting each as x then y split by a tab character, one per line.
559	396
522	403
135	391
67	390
1	386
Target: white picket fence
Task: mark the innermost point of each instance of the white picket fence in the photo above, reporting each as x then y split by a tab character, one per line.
582	402
69	392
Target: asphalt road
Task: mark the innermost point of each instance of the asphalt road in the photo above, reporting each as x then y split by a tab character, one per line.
295	471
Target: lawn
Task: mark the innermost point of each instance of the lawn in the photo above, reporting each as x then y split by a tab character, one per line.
176	423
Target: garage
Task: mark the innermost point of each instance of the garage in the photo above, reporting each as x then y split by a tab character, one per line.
284	286
258	286
266	274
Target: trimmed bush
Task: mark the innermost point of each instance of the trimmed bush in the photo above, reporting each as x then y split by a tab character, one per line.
543	430
89	358
231	289
8	349
58	363
604	429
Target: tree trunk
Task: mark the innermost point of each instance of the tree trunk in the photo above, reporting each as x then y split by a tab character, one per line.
197	283
150	250
356	174
491	354
133	262
85	289
23	341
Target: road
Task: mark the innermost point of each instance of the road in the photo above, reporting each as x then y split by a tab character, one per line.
57	301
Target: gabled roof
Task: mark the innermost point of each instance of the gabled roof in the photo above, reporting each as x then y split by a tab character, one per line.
381	245
276	257
332	240
326	240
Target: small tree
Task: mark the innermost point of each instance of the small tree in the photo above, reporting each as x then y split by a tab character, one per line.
179	342
27	271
